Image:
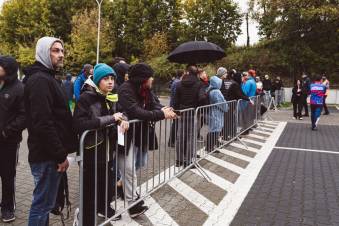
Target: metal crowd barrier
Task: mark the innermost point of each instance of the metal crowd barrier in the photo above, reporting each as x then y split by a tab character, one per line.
150	154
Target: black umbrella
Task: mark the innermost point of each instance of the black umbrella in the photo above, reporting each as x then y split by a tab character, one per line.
196	52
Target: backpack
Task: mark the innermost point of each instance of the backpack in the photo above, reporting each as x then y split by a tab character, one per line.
62	199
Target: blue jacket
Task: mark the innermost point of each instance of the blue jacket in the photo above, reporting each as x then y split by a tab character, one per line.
173	89
78	83
216	114
318	91
249	87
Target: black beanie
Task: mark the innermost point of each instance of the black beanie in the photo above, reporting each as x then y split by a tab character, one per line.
139	73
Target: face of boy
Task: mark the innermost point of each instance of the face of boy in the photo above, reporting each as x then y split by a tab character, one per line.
106	84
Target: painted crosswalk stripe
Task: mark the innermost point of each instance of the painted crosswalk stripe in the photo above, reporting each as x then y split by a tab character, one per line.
215	179
239	145
269	133
252	141
193	196
257	136
225	164
235	155
157	215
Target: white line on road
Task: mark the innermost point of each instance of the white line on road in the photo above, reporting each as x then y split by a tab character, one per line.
239	145
215	179
236	155
252	141
226	165
308	150
192	195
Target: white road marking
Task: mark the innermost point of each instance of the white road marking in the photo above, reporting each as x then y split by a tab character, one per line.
215	179
226	165
192	195
252	141
236	155
239	145
257	136
307	150
263	132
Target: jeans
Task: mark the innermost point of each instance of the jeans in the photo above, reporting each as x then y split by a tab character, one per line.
267	97
141	158
46	181
315	114
8	162
278	96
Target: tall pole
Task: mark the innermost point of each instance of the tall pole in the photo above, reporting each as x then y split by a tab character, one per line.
99	25
248	34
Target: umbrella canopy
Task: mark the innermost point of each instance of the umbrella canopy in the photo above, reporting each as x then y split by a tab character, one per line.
196	52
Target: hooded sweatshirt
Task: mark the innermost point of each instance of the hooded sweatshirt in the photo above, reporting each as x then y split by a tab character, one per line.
43	51
49	120
216	117
12	111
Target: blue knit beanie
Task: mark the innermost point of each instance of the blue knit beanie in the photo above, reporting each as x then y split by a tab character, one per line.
101	71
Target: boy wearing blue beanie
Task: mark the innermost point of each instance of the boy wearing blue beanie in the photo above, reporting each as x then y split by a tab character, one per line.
94	111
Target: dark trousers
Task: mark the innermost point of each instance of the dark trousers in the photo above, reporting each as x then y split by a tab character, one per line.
185	140
212	141
230	128
89	190
173	132
325	105
304	104
297	108
8	162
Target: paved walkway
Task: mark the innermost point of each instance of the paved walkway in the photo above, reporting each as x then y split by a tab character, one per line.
289	175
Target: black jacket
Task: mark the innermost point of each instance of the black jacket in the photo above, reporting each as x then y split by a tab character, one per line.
267	84
51	136
297	96
277	85
231	90
94	112
190	93
133	104
12	111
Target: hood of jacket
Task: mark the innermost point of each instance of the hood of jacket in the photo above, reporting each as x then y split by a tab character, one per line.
189	80
215	83
43	51
11	66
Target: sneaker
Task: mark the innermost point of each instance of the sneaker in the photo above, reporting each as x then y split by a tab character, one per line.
137	210
110	213
8	216
294	118
300	118
76	217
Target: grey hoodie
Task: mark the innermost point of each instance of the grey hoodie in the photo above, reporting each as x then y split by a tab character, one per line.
43	51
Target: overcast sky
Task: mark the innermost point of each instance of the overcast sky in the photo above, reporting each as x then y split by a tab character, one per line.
242	38
253	30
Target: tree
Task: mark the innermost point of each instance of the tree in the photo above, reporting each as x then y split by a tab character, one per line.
216	21
83	44
156	46
306	31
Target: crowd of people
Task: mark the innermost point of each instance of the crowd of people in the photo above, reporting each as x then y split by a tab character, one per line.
112	96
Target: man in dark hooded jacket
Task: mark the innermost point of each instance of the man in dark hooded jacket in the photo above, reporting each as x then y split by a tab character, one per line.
189	94
12	122
51	136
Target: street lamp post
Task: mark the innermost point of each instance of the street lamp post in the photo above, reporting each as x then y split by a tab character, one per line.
99	24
